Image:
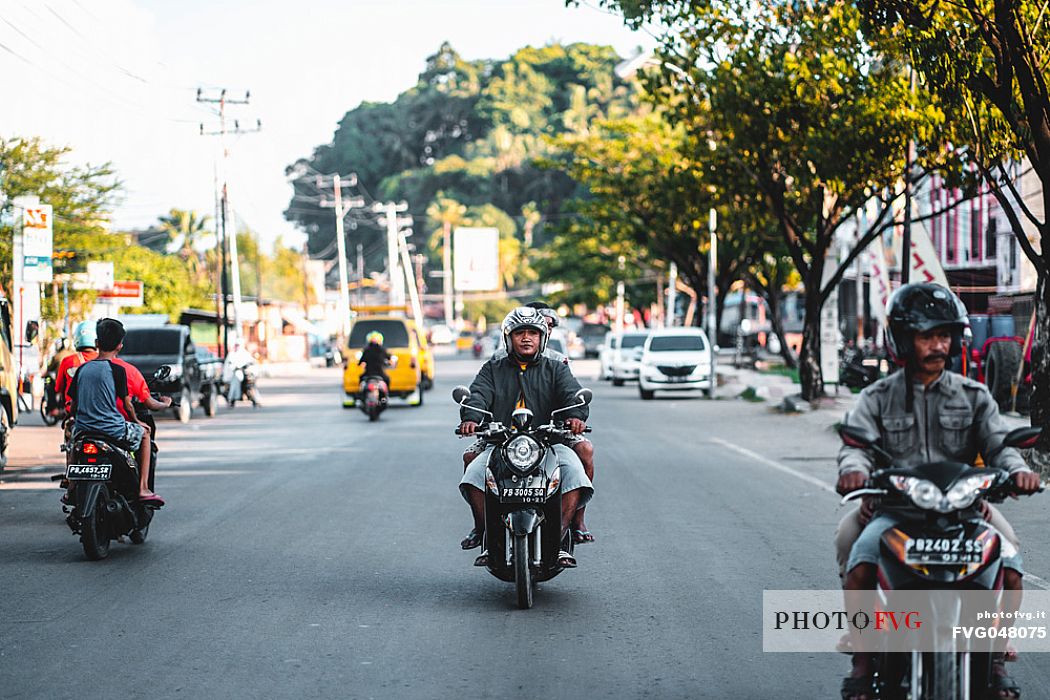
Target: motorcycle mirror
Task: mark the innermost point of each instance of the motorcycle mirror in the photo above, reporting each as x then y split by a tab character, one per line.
854	436
32	330
1023	438
460	394
162	373
584	396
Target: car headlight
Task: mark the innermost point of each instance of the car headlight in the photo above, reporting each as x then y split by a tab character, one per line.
523	452
965	492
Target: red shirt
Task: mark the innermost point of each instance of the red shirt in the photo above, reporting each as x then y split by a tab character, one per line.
138	390
66	369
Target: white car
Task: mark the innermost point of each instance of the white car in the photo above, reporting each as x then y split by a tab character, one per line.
626	359
675	359
441	334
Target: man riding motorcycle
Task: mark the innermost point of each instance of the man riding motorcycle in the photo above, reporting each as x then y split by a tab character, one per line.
375	357
924	413
524	378
583	447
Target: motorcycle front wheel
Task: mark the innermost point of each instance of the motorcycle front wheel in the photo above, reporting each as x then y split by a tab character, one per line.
93	535
522	573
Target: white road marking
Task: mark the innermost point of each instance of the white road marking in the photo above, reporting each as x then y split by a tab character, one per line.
812	480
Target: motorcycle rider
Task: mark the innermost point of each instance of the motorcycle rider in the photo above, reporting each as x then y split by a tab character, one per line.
524	378
583	447
84	342
97	387
923	413
375	357
236	359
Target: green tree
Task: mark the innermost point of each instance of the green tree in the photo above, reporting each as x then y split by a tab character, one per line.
187	230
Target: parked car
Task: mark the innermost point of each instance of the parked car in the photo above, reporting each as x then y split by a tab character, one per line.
149	347
675	359
626	359
592	335
558	342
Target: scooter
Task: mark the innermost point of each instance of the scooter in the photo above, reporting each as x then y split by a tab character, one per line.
103	503
523	497
943	543
374	396
52	408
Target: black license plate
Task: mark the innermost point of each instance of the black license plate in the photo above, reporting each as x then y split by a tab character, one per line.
942	550
89	472
528	495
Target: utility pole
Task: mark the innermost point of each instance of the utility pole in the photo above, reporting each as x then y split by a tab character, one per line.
712	317
672	290
227	240
390	211
360	275
906	238
340	241
620	292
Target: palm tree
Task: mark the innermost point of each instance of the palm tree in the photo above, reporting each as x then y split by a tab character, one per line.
448	213
186	230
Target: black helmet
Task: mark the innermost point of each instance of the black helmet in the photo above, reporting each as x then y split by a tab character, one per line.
524	317
546	311
920	307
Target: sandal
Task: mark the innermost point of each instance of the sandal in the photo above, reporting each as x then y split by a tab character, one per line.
1001	682
472	540
566	560
582	536
152	501
482	560
858	687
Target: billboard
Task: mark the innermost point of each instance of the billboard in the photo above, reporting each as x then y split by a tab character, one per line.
37	243
123	293
476	259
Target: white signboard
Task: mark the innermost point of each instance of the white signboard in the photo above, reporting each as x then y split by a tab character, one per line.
829	328
100	275
37	243
476	264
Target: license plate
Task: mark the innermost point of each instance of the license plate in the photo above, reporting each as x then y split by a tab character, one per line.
89	472
526	494
942	550
678	379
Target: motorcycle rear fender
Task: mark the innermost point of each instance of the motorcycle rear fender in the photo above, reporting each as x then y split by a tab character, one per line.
894	572
87	495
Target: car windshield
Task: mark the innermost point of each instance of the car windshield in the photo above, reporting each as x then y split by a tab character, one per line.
633	341
152	341
675	343
395	335
594	330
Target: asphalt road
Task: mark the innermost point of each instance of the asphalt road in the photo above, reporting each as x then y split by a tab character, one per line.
307	553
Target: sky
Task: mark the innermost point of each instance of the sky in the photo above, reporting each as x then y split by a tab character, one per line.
117	80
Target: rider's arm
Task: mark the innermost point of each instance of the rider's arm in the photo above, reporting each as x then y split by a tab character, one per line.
991	429
864	415
482	395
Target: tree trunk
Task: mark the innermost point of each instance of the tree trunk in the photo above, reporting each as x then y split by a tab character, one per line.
809	373
1041	373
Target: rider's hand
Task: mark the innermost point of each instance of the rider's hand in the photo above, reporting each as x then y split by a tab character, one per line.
867	509
851	481
468	427
985	509
575	425
1025	482
166	400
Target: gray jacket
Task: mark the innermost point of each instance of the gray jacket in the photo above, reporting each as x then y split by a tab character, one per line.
954	419
548	385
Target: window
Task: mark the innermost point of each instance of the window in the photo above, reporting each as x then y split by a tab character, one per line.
949	237
395	334
991	236
152	341
676	343
636	340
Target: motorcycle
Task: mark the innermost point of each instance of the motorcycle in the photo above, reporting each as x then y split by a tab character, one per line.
103	502
522	497
52	407
245	375
942	543
374	396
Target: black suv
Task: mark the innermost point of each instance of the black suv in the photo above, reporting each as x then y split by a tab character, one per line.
149	348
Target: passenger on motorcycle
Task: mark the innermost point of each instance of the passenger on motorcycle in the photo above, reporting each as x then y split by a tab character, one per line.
923	413
525	377
236	359
583	447
96	389
375	357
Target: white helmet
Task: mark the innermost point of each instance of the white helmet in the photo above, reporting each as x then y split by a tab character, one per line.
524	317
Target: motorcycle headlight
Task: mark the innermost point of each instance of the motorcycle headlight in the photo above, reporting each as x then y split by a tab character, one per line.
923	493
964	493
523	452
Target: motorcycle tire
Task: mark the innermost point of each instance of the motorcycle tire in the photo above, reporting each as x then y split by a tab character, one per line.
93	534
1004	359
45	413
944	676
210	404
139	536
522	572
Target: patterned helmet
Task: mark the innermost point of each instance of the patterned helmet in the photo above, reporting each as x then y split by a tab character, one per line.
84	335
524	317
374	337
920	307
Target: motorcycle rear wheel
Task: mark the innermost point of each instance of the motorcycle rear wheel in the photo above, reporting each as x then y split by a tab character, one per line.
93	535
522	573
45	413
